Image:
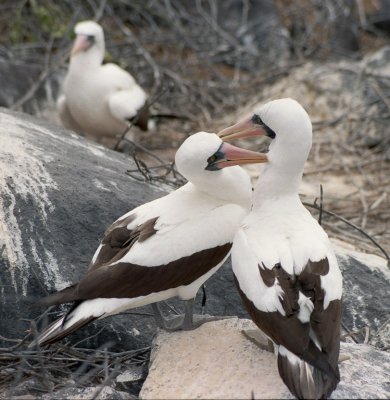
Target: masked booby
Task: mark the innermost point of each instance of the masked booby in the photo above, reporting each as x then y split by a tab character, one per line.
165	248
99	100
283	262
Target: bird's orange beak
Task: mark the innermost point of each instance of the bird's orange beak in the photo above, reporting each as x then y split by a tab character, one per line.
229	155
81	43
244	128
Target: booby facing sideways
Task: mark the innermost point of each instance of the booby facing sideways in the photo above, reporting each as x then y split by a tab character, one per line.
98	100
168	247
284	266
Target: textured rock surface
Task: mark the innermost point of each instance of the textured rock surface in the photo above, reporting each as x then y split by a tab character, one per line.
58	193
365	375
218	361
366	294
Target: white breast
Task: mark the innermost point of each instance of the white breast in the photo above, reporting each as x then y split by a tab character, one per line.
269	237
189	221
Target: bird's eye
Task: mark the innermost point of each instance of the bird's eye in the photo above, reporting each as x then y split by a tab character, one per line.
91	38
257	120
212	162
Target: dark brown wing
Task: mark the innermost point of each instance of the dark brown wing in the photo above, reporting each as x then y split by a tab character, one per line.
126	280
118	240
324	323
287	283
288	330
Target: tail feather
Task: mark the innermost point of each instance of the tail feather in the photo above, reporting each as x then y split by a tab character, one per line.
66	295
81	313
61	328
305	381
315	357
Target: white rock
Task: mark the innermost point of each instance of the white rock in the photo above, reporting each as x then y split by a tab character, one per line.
217	361
131	375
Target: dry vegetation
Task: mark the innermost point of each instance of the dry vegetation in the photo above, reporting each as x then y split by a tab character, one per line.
204	71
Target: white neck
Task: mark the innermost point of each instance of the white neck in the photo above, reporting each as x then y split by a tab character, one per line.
231	185
87	60
282	174
278	182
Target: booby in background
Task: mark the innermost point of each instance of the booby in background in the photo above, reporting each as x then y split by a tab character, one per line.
99	100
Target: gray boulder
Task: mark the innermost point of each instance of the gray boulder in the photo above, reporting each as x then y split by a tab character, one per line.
364	374
58	194
366	296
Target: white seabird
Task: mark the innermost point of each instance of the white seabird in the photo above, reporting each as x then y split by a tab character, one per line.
168	247
99	100
283	262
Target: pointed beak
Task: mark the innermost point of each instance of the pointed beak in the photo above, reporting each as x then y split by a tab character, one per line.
244	128
81	43
229	155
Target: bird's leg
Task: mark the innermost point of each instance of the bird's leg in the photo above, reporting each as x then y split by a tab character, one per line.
192	321
204	298
158	316
169	324
177	322
186	322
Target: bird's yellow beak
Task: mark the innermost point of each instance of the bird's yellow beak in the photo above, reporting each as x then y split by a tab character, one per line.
244	128
228	155
81	43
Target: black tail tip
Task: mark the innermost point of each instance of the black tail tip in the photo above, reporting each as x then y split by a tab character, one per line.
305	381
